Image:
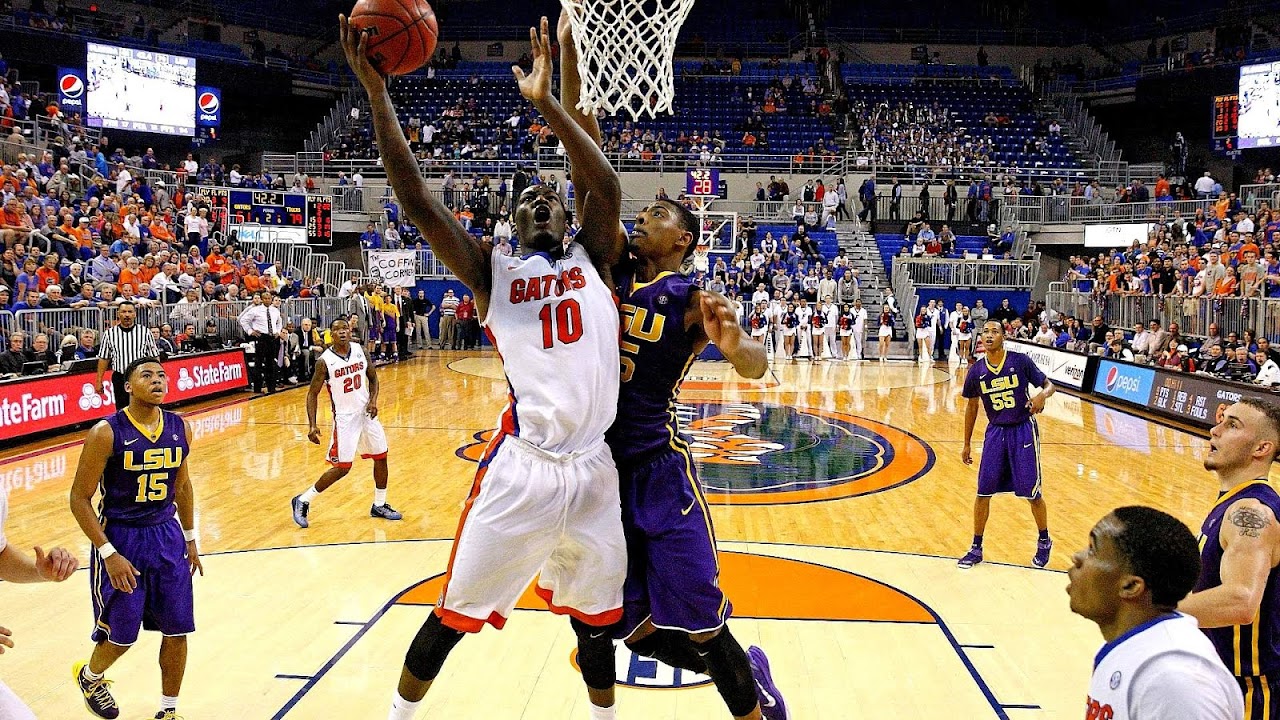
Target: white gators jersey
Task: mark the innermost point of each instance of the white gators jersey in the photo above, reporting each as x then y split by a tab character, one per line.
348	381
555	325
1196	673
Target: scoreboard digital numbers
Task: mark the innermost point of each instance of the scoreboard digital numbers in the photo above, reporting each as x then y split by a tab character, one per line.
702	181
1226	116
278	209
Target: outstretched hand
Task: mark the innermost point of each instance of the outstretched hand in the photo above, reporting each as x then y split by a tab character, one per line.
720	321
536	86
564	33
355	45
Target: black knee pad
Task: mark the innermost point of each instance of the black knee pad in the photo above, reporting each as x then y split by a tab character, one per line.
731	671
671	647
595	654
430	647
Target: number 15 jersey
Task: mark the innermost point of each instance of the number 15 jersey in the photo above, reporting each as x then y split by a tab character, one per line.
555	325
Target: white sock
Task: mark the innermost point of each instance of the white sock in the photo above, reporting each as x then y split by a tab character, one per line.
379	497
309	494
91	675
168	703
603	713
402	709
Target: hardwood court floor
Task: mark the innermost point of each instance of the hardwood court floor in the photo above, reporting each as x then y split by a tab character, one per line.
839	498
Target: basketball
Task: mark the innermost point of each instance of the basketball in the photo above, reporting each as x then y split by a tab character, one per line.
402	33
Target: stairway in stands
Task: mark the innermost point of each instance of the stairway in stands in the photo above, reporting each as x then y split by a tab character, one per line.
863	253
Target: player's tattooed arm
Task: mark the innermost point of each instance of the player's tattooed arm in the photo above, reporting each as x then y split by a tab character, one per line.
1249	521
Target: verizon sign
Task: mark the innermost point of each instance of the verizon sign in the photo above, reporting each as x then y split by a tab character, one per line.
53	401
1062	367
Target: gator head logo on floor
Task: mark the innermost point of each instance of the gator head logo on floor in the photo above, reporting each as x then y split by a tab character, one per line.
765	454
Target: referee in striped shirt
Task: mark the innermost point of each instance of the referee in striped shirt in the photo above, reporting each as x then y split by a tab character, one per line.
120	347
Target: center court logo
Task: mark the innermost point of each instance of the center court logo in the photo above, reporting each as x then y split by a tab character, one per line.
764	454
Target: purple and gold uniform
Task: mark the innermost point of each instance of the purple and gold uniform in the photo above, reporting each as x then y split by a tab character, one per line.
1251	652
673	572
1011	447
139	516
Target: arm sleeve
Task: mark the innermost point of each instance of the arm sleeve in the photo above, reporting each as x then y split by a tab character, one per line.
1034	373
971	389
108	348
1186	687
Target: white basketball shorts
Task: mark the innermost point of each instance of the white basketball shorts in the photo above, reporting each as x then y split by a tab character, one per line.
535	513
356	432
11	707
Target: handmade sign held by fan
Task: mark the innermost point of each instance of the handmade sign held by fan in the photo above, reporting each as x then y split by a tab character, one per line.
625	52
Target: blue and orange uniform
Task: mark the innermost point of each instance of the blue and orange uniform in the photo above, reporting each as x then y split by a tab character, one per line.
1251	652
673	573
138	513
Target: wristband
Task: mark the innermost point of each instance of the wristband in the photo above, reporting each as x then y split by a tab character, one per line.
189	535
106	551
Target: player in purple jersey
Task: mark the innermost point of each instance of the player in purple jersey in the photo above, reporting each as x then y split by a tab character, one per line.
673	608
1237	598
143	535
1011	447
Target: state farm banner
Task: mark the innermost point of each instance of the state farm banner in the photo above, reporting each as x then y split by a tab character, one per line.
53	401
393	268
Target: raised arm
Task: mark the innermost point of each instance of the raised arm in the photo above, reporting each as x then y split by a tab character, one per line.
456	248
571	81
596	182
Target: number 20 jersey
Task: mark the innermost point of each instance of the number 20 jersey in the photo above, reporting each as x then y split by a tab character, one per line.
348	381
554	322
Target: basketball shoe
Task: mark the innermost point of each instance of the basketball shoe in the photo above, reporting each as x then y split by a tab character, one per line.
971	558
97	694
168	715
1042	552
300	509
384	511
772	706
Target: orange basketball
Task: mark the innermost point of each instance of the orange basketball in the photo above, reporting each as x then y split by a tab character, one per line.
402	33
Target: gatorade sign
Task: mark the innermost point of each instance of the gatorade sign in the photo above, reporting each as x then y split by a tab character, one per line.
71	89
208	107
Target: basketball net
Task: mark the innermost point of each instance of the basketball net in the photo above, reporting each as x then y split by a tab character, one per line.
625	52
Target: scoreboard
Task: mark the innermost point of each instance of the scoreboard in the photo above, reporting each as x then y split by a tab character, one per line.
1226	116
230	207
702	181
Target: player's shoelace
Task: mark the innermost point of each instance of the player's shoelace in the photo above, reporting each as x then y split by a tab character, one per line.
98	691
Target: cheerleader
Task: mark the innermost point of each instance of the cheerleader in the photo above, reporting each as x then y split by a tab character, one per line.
845	325
886	331
964	333
804	344
759	322
818	323
924	335
790	321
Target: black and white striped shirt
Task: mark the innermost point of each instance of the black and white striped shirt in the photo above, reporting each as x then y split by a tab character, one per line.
121	347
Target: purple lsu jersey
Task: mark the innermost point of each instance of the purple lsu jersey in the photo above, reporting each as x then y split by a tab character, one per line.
1004	389
140	478
1253	649
656	353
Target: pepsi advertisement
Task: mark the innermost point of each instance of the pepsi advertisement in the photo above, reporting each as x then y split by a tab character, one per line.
71	90
208	107
1130	383
1189	398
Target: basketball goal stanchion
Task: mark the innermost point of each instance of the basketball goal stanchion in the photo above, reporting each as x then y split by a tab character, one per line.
625	52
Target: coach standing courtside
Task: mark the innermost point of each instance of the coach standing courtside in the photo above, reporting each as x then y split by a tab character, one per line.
263	324
120	346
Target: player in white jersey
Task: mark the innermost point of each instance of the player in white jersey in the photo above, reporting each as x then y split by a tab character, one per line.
1156	664
352	382
545	500
16	567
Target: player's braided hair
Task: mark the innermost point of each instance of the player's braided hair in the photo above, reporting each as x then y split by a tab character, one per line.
1161	551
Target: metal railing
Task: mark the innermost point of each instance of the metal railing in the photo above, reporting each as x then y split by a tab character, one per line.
936	272
225	315
1193	315
1070	210
1253	195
